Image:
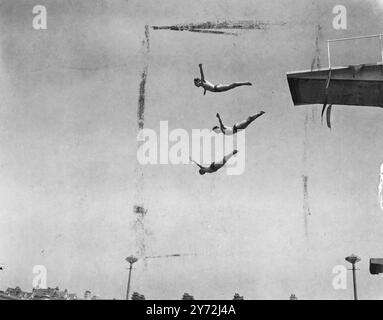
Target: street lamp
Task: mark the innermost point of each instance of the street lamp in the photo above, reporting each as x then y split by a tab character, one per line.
131	259
353	259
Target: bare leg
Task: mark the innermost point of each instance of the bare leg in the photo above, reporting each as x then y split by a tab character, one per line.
220	164
244	124
226	87
227	157
238	84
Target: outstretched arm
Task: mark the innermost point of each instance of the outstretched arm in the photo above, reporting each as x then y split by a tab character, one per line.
201	71
196	163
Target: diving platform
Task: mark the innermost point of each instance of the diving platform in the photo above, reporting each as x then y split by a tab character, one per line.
353	85
360	85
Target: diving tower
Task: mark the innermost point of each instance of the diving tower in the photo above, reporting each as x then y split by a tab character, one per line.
353	85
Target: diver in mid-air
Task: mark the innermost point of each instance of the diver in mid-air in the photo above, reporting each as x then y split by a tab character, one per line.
208	86
238	126
215	166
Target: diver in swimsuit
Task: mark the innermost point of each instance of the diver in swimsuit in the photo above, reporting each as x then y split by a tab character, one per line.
208	86
215	166
238	126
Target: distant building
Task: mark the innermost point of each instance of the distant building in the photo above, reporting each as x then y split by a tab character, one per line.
4	296
137	296
87	295
37	294
61	295
14	292
237	297
187	296
72	296
27	296
49	294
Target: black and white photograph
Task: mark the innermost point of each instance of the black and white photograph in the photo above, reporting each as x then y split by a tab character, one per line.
176	150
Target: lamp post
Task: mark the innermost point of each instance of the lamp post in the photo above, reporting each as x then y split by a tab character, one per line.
353	259
131	259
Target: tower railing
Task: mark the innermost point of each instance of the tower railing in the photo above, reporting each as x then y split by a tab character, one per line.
329	42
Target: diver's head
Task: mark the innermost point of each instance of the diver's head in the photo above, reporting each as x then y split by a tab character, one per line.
197	82
201	172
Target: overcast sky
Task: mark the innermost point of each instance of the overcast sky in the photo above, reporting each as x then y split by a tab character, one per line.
68	168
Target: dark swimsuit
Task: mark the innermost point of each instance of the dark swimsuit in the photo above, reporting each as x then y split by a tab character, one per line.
212	167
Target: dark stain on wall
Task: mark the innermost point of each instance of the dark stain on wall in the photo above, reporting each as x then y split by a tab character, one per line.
141	99
139	209
306	206
217	27
316	60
